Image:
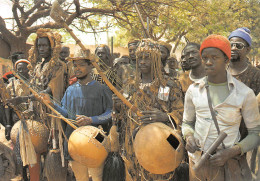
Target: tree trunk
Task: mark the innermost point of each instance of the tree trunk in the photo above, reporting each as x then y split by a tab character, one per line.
19	45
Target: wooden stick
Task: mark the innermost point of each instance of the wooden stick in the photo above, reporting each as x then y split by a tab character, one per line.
109	84
142	22
57	14
45	102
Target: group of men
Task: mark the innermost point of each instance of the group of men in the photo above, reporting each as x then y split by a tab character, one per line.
215	92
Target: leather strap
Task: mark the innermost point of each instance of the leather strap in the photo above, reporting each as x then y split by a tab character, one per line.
226	172
212	111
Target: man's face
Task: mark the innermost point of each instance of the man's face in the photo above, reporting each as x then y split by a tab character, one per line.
22	69
172	63
184	64
214	61
44	47
144	63
121	62
124	61
81	68
132	49
164	53
64	53
101	53
239	49
192	55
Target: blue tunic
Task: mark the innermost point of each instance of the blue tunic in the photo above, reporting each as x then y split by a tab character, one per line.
93	100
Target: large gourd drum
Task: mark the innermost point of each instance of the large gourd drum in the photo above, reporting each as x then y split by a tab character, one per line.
88	145
158	148
38	132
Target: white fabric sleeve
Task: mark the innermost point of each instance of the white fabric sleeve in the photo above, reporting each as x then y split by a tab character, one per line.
189	114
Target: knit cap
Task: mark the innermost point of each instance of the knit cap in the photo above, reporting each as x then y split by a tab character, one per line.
21	61
243	33
217	41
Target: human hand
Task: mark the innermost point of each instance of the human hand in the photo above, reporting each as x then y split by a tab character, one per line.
192	144
222	156
154	115
45	97
83	120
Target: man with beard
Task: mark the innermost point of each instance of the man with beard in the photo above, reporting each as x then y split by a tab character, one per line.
239	67
132	46
240	41
191	54
184	75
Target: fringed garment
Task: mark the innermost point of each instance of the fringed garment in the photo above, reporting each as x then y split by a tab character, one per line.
146	98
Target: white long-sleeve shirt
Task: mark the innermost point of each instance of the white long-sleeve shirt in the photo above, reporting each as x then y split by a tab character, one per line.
241	102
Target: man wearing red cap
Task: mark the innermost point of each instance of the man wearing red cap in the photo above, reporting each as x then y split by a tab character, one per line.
230	101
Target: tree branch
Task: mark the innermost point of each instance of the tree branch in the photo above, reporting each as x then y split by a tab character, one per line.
50	25
36	16
8	36
14	10
77	4
37	5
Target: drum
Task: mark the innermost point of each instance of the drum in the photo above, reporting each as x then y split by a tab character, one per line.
89	146
38	132
158	148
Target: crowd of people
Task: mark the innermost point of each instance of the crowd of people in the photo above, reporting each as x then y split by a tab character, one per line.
146	118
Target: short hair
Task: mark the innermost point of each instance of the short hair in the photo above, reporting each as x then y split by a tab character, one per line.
192	44
88	61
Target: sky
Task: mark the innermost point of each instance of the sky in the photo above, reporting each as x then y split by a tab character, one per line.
88	39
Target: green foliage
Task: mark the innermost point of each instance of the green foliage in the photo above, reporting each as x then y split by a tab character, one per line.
170	20
199	18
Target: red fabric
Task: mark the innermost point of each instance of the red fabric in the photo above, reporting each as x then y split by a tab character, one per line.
7	76
73	79
217	41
